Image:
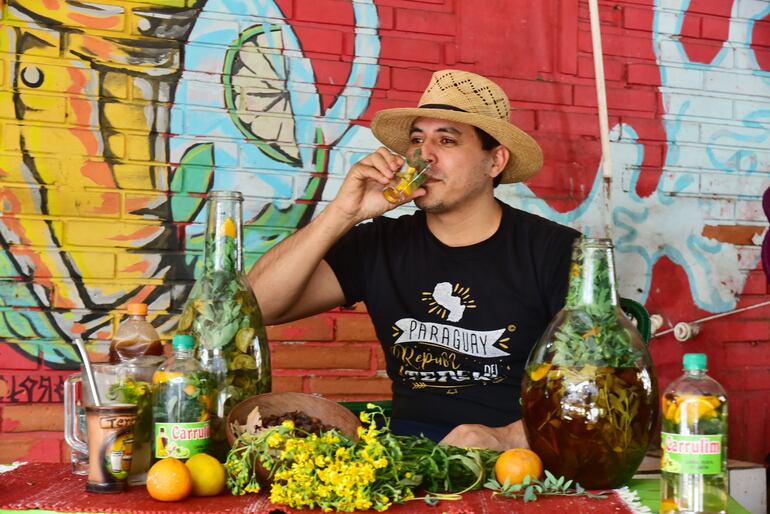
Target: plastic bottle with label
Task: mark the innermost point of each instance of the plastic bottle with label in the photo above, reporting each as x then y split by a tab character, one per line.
694	442
181	400
135	337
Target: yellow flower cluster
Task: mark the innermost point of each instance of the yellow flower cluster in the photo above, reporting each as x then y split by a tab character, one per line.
330	471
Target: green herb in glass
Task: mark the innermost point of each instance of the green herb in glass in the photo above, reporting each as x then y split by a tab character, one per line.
138	392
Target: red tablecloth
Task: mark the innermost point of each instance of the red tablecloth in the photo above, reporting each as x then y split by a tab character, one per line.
53	487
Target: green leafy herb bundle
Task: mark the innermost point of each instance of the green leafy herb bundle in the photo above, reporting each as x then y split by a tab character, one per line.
530	490
138	393
591	332
332	470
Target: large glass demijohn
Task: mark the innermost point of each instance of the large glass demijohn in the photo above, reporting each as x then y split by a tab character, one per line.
224	317
589	394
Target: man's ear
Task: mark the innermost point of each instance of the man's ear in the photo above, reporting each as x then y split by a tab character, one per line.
500	157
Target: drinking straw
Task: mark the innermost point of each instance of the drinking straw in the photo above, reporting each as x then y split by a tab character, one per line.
89	373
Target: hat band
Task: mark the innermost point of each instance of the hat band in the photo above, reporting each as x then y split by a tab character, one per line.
442	106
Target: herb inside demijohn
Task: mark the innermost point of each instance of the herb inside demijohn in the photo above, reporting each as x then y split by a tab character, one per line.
223	315
592	332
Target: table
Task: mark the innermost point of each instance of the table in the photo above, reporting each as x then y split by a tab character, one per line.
44	488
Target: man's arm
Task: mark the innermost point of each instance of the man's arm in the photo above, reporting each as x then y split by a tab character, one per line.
292	280
480	436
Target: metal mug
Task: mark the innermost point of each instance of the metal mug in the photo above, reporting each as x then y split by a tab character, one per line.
123	383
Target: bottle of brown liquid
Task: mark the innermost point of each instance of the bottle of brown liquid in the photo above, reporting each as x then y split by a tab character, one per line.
135	336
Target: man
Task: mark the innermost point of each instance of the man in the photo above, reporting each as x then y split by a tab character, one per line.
458	292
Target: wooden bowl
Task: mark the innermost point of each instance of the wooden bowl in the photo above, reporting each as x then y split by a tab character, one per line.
272	404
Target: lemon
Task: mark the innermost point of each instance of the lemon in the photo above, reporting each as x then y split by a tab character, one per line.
693	408
208	475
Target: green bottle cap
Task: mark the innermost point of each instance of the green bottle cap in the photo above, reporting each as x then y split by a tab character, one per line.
694	361
183	342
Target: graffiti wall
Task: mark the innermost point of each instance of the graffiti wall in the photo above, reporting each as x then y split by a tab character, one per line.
118	117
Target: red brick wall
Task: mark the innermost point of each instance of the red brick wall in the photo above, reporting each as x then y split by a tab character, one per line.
541	53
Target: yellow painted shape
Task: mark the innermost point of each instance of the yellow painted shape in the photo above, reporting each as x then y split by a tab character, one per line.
63	141
136	266
41	42
138	148
140	176
110	234
117	145
64	76
107	16
129	116
92	265
12	169
115	85
45	108
11	137
67	202
7	107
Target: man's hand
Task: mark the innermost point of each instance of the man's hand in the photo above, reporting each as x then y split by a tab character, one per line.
360	196
480	436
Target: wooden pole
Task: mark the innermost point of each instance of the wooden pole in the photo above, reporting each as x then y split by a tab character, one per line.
601	99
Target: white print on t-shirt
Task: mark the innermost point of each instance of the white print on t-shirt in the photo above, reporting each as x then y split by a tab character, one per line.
442	293
449	302
449	375
478	343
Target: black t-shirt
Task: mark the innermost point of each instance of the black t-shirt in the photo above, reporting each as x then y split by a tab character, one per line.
456	323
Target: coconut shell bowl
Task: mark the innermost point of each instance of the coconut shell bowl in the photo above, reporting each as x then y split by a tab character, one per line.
327	412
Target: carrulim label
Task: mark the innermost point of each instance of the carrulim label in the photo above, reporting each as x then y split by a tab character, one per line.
691	454
181	440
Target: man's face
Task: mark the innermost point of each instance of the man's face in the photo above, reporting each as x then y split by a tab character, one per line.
460	171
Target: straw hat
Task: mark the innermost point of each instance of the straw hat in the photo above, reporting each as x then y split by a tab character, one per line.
464	97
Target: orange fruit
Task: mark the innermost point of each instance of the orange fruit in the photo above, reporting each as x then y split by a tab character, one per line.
169	480
515	464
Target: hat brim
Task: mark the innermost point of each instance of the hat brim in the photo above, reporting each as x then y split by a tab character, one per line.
392	127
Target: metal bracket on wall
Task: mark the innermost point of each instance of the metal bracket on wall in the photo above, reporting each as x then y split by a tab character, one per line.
686	330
